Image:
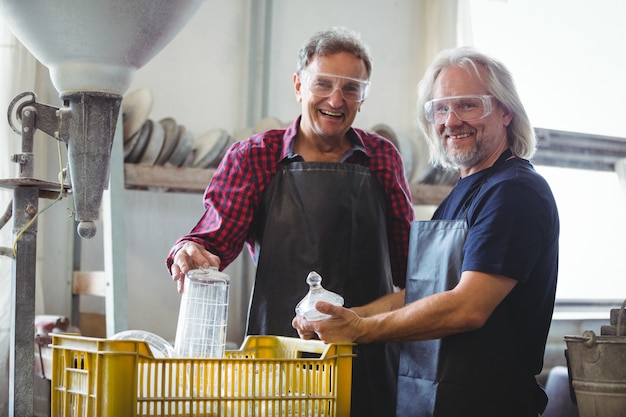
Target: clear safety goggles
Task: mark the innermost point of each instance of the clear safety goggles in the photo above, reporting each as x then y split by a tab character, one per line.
465	108
324	85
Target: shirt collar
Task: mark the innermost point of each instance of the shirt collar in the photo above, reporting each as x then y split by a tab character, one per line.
289	140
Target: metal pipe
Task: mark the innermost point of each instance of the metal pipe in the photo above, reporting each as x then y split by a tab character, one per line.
22	347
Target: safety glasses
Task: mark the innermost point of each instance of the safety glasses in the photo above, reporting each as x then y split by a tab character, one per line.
465	108
324	85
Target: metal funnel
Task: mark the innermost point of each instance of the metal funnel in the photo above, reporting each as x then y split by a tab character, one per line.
92	49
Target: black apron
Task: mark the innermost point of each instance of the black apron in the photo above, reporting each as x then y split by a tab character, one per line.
328	218
434	265
460	375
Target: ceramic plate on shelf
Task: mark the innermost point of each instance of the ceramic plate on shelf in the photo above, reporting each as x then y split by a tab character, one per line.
188	162
155	144
136	107
216	161
130	144
183	148
140	144
170	132
209	146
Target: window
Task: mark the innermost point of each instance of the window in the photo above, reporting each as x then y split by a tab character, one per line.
567	59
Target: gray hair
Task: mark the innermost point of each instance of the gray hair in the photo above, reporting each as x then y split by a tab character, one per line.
499	83
333	41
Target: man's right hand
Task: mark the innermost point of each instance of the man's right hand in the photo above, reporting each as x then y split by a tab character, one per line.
189	257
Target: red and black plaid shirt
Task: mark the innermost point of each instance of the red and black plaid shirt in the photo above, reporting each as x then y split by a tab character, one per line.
236	189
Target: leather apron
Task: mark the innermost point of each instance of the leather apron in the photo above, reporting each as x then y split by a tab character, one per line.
328	218
434	265
477	373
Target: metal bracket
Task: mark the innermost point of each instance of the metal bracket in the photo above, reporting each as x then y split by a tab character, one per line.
51	120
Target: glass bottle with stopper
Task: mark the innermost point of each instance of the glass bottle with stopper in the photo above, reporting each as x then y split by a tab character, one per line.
306	307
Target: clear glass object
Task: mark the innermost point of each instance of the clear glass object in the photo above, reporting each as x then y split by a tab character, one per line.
160	347
306	306
203	315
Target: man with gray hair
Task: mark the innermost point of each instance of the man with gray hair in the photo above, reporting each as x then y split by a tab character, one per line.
319	196
481	277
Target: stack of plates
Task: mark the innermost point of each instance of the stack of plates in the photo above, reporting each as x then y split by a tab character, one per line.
165	142
160	142
150	142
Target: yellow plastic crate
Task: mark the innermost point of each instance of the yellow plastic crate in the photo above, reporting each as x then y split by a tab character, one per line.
268	376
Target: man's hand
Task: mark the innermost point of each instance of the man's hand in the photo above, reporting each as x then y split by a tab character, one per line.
344	325
189	257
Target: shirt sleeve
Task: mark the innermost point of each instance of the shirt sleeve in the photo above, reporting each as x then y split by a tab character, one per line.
230	202
506	231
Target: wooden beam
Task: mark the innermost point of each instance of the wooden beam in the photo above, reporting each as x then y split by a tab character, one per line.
428	194
195	180
154	177
89	283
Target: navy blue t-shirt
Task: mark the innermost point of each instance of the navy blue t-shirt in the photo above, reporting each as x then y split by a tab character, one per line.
513	231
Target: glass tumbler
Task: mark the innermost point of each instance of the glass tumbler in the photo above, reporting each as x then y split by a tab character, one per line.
203	315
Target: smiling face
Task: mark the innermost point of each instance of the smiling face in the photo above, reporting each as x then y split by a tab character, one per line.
327	119
476	145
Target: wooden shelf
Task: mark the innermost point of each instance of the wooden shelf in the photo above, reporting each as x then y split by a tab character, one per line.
195	180
427	194
163	178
